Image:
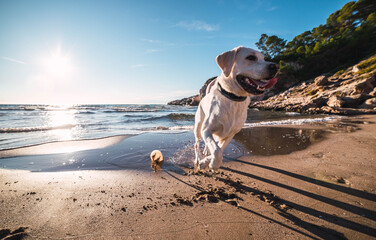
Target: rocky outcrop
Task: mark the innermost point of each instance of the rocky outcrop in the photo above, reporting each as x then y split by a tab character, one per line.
194	100
369	104
321	80
189	101
350	91
203	89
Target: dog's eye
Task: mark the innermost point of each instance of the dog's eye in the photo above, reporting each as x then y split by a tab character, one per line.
252	58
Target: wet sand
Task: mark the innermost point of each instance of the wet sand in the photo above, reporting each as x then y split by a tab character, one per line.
306	182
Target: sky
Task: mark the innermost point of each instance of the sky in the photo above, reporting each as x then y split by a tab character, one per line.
133	51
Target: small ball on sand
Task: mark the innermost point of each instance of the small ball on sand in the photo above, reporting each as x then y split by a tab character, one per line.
156	160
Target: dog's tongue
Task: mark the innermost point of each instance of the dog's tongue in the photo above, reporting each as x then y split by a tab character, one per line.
271	83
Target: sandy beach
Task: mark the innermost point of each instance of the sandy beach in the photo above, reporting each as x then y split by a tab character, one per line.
302	182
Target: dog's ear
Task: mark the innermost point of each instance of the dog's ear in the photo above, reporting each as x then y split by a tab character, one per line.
225	61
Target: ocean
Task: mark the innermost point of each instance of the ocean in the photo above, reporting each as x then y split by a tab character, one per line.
27	125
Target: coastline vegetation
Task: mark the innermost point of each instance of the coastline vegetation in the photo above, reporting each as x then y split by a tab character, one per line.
348	36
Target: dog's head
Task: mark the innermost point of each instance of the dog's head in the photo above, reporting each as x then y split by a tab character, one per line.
247	70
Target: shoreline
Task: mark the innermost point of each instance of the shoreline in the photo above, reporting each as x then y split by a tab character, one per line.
74	145
64	146
325	190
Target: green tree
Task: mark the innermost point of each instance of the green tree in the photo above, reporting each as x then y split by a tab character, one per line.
301	50
271	46
261	44
348	35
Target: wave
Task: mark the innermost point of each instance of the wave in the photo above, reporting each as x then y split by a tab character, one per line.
33	108
180	116
293	121
131	109
35	129
170	117
101	108
10	109
86	112
181	128
266	123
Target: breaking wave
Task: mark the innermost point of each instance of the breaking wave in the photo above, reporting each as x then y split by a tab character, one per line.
35	129
293	121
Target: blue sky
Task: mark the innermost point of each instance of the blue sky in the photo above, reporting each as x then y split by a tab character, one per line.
68	52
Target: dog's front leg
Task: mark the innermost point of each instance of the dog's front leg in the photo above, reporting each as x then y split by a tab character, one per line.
223	144
199	118
214	161
206	151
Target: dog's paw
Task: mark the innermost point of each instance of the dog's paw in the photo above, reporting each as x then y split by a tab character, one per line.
204	163
215	165
196	166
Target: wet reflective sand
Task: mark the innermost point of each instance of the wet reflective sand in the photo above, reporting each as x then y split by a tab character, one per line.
268	141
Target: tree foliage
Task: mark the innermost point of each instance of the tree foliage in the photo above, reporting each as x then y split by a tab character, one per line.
348	35
271	46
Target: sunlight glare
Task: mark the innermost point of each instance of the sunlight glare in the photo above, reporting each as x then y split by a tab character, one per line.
63	123
58	64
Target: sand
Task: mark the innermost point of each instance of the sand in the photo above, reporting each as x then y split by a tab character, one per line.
324	190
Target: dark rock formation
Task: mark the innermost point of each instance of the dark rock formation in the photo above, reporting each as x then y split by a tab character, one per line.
189	101
194	100
321	80
203	89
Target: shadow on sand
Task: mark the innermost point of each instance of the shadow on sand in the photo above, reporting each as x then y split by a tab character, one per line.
319	232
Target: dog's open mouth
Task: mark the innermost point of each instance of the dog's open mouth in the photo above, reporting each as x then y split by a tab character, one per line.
255	86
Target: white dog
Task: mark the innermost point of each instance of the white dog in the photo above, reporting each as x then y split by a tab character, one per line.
222	112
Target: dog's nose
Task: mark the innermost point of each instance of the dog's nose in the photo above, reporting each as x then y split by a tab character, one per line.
273	68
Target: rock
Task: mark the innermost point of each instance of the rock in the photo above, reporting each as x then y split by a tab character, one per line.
203	89
355	69
369	104
190	101
346	111
335	101
365	86
319	102
355	100
285	81
321	80
193	100
373	93
327	109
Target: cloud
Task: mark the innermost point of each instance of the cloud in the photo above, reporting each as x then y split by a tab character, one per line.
13	60
272	8
153	50
198	26
139	65
155	41
150	40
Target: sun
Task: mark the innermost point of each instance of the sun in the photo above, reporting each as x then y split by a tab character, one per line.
58	64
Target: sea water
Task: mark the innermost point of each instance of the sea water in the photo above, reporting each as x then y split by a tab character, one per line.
26	125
